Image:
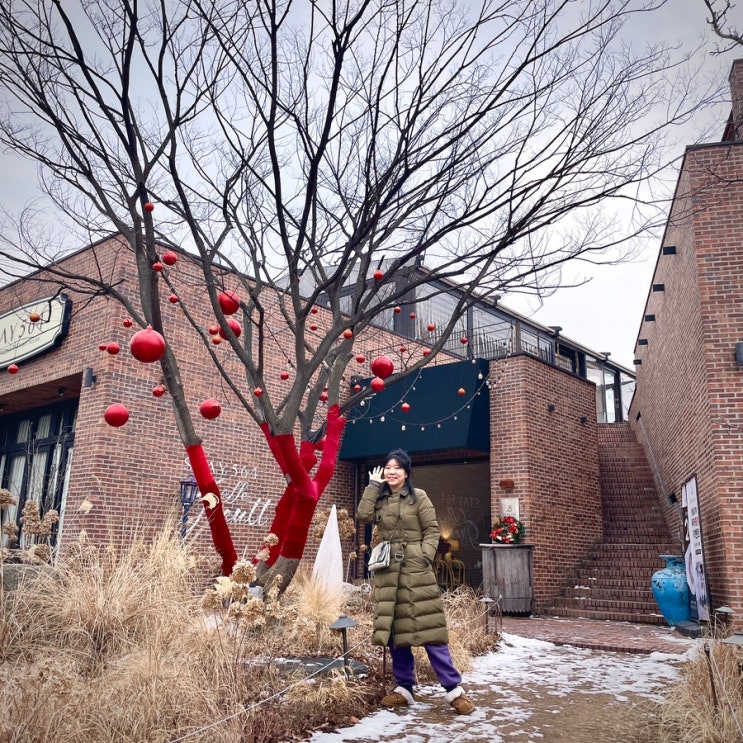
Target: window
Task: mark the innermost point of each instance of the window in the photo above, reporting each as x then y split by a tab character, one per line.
35	453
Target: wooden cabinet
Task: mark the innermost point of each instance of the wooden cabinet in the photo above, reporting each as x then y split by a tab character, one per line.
507	573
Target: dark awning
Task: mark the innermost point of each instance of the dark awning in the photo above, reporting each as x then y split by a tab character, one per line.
440	417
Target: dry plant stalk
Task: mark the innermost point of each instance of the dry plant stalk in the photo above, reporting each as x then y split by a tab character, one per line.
689	713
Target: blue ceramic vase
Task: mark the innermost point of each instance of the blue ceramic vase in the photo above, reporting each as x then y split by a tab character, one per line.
671	591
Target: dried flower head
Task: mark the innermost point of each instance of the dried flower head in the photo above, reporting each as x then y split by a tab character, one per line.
223	587
39	553
10	530
6	499
272	540
243	572
85	506
30	518
263	554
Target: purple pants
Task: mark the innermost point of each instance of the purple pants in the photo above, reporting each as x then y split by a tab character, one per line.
403	666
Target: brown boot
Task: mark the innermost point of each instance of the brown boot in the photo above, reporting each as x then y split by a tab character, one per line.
461	703
398	697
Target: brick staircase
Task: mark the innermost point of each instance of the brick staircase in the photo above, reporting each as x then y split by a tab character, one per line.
613	582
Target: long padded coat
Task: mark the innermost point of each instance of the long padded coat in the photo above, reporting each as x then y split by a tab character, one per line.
407	595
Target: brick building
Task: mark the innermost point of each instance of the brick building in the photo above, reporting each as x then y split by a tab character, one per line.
518	413
687	411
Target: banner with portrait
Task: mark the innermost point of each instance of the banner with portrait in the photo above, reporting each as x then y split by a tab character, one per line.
696	576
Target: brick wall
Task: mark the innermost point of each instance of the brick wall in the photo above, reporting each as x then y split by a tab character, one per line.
689	389
552	458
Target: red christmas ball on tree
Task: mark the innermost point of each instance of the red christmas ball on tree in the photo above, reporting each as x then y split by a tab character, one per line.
169	258
229	302
113	348
13	369
377	384
149	206
210	408
405	407
234	326
382	366
116	415
147	345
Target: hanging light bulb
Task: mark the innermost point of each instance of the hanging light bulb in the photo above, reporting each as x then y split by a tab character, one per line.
382	419
402	427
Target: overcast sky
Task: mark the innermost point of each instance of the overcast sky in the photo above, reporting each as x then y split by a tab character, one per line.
605	313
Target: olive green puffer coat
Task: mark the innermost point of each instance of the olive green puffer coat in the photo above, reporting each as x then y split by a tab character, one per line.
407	595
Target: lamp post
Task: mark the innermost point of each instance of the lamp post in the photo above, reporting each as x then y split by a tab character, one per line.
189	491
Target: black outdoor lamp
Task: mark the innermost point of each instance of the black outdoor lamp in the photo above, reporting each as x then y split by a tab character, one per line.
189	492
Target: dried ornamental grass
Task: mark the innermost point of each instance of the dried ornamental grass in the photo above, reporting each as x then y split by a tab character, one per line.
689	713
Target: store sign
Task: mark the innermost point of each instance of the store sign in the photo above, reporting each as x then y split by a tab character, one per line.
22	338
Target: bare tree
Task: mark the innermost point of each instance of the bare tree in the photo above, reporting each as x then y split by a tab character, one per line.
720	20
307	145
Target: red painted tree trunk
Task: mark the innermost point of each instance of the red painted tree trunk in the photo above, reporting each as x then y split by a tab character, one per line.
221	537
297	505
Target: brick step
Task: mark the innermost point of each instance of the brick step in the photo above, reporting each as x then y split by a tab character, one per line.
636	582
607	605
623	574
625	548
613	616
600	592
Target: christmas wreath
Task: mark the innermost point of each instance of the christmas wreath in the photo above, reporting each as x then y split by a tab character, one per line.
507	530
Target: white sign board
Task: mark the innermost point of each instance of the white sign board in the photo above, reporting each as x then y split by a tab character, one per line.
22	336
509	507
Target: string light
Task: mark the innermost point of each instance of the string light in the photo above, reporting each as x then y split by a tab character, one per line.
382	417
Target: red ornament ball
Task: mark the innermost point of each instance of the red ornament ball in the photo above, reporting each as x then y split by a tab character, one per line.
13	369
461	391
173	298
377	384
348	333
127	322
382	366
403	349
216	339
378	275
426	351
314	310
113	348
463	341
324	396
149	206
169	258
210	408
258	392
397	310
102	346
147	345
157	266
158	391
405	407
360	358
284	375
357	388
431	326
34	317
412	315
116	415
213	329
313	327
229	302
234	326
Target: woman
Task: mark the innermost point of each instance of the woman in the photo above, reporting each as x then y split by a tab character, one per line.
408	609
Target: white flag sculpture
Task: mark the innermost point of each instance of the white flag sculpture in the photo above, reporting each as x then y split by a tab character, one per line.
328	568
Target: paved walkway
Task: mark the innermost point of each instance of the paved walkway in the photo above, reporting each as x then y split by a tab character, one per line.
595	634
